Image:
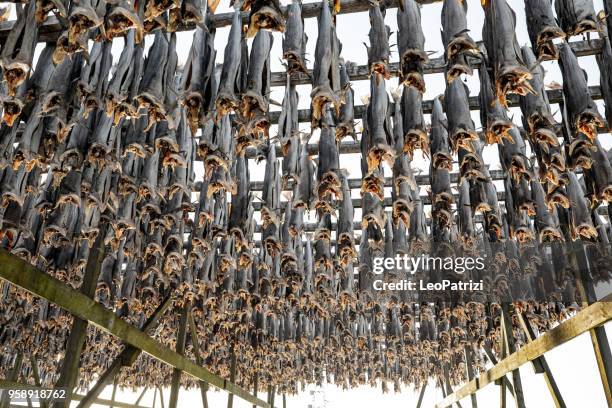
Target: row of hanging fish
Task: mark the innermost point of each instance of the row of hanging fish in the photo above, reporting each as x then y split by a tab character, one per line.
94	154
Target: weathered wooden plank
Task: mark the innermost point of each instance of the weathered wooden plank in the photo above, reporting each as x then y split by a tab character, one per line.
554	96
193	333
181	339
421	395
433	66
588	318
510	349
26	276
69	371
230	396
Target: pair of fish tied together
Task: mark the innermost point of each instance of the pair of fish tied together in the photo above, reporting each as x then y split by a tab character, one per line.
128	152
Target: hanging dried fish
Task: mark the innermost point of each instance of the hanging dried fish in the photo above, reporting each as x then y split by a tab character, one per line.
411	43
543	29
378	51
413	122
326	75
18	50
582	112
122	18
540	125
345	125
576	16
458	44
493	117
581	225
295	39
461	131
197	80
605	75
289	133
234	67
510	75
267	15
379	126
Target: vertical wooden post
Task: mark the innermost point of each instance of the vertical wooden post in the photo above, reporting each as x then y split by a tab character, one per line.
284	400
510	349
540	365
181	338
449	389
76	340
13	375
502	388
421	395
144	390
255	379
161	397
470	372
154	397
112	401
36	375
230	396
196	350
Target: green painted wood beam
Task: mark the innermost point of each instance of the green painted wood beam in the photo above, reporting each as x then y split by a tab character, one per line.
26	276
588	318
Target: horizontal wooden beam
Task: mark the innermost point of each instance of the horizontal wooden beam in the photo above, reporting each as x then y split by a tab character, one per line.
51	29
588	318
5	384
433	66
554	96
26	276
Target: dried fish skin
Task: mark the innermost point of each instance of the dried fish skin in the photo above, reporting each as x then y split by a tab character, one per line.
413	123
304	195
461	131
197	80
576	16
255	98
326	75
151	89
598	178
510	75
18	50
379	126
535	106
546	222
328	169
346	241
441	157
543	29
493	117
233	66
295	39
581	225
83	17
345	124
458	44
582	111
189	13
289	134
411	43
122	18
604	59
93	79
266	15
378	51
